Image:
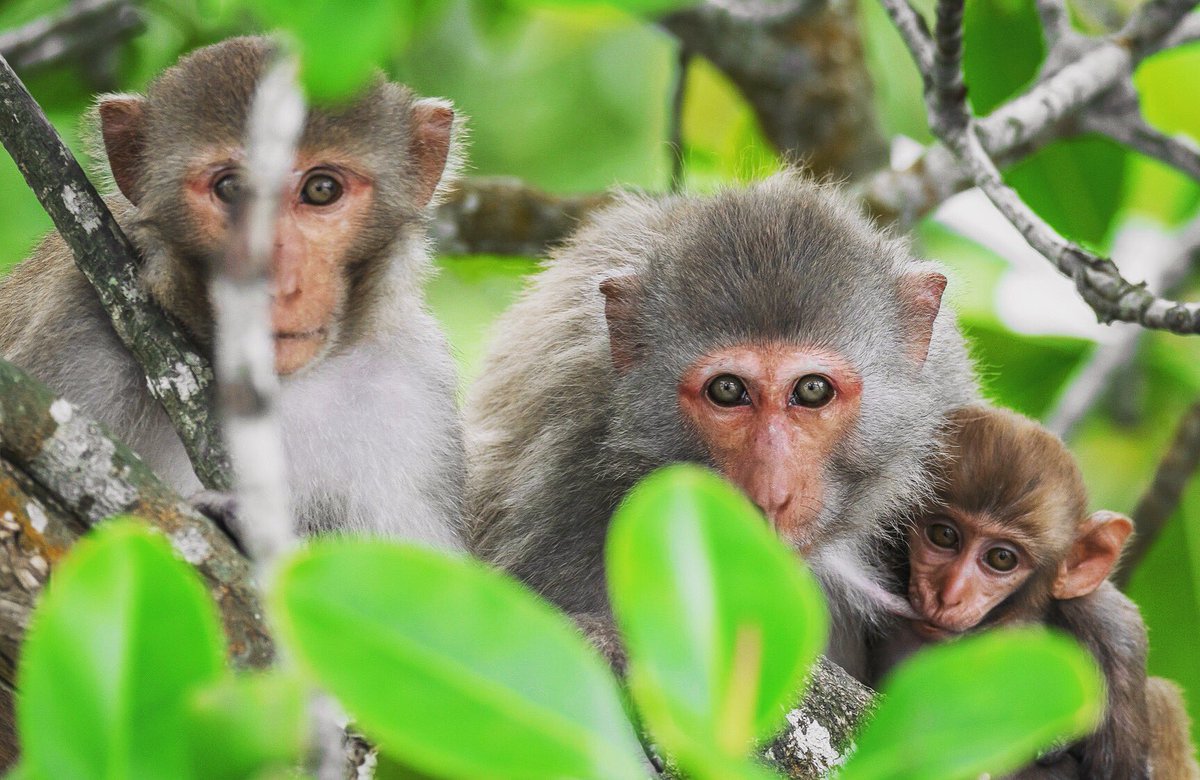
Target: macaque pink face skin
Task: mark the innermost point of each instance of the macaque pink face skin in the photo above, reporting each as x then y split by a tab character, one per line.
770	415
962	565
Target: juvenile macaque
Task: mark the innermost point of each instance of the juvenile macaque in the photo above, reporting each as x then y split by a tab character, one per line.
1007	539
769	332
371	432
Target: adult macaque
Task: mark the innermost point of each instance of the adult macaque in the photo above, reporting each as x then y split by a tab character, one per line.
1007	539
371	432
769	332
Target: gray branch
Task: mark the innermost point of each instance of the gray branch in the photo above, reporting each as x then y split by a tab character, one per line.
75	474
1162	498
177	374
803	73
1097	279
85	28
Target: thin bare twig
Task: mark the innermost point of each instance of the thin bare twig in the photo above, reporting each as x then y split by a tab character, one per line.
1097	279
177	374
1162	498
1179	152
241	295
1110	361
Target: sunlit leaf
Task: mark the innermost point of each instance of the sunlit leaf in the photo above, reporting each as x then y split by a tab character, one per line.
646	7
258	720
451	666
721	620
986	703
121	637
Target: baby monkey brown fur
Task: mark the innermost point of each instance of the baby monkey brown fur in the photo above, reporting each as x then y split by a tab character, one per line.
1008	540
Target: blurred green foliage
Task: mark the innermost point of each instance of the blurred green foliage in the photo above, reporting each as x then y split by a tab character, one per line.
459	671
573	97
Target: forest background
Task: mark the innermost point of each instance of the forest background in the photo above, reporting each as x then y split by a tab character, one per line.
579	98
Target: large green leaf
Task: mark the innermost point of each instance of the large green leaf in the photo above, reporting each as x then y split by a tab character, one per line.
258	720
122	636
986	703
721	620
451	666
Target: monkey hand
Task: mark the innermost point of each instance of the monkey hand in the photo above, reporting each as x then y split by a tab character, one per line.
601	631
223	510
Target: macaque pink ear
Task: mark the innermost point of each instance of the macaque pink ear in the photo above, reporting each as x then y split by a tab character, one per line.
1093	554
432	129
621	295
922	296
123	127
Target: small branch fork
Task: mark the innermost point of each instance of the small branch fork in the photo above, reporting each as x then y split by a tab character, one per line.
85	28
1097	279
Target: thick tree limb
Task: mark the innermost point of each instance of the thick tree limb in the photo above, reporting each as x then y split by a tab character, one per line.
803	73
74	463
85	28
177	374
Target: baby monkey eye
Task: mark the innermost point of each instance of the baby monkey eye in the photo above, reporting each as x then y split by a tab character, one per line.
812	391
728	390
942	535
229	188
321	189
1001	559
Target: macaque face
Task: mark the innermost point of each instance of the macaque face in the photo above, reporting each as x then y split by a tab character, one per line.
770	415
962	565
325	204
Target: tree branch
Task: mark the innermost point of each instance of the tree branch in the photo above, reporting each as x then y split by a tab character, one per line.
503	216
75	467
177	374
1097	279
1162	498
803	73
86	27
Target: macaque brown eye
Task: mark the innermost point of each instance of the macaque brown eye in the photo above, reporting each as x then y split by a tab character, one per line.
228	188
942	535
812	391
321	190
1001	559
728	390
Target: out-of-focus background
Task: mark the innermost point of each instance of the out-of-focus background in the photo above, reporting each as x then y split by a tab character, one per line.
577	99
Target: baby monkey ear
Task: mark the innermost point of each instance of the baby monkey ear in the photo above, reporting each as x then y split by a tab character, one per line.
622	294
1093	554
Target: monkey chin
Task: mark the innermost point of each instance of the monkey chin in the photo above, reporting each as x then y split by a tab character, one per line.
295	351
930	631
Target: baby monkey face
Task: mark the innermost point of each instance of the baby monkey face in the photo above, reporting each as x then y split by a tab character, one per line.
962	565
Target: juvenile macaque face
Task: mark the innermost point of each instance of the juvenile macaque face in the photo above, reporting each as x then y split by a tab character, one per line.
962	565
770	415
326	203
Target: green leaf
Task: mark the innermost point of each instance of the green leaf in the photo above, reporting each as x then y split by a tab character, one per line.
258	720
451	666
985	703
644	7
721	620
339	50
121	637
1002	48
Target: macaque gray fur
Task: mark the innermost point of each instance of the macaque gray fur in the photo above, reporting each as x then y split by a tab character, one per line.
556	435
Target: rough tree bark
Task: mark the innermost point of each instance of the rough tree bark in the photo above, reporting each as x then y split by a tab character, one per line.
177	374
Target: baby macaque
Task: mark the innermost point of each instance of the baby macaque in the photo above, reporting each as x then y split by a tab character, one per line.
1007	540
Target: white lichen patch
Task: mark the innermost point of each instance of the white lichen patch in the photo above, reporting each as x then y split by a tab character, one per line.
181	382
61	411
81	207
813	740
37	518
192	545
8	522
80	449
